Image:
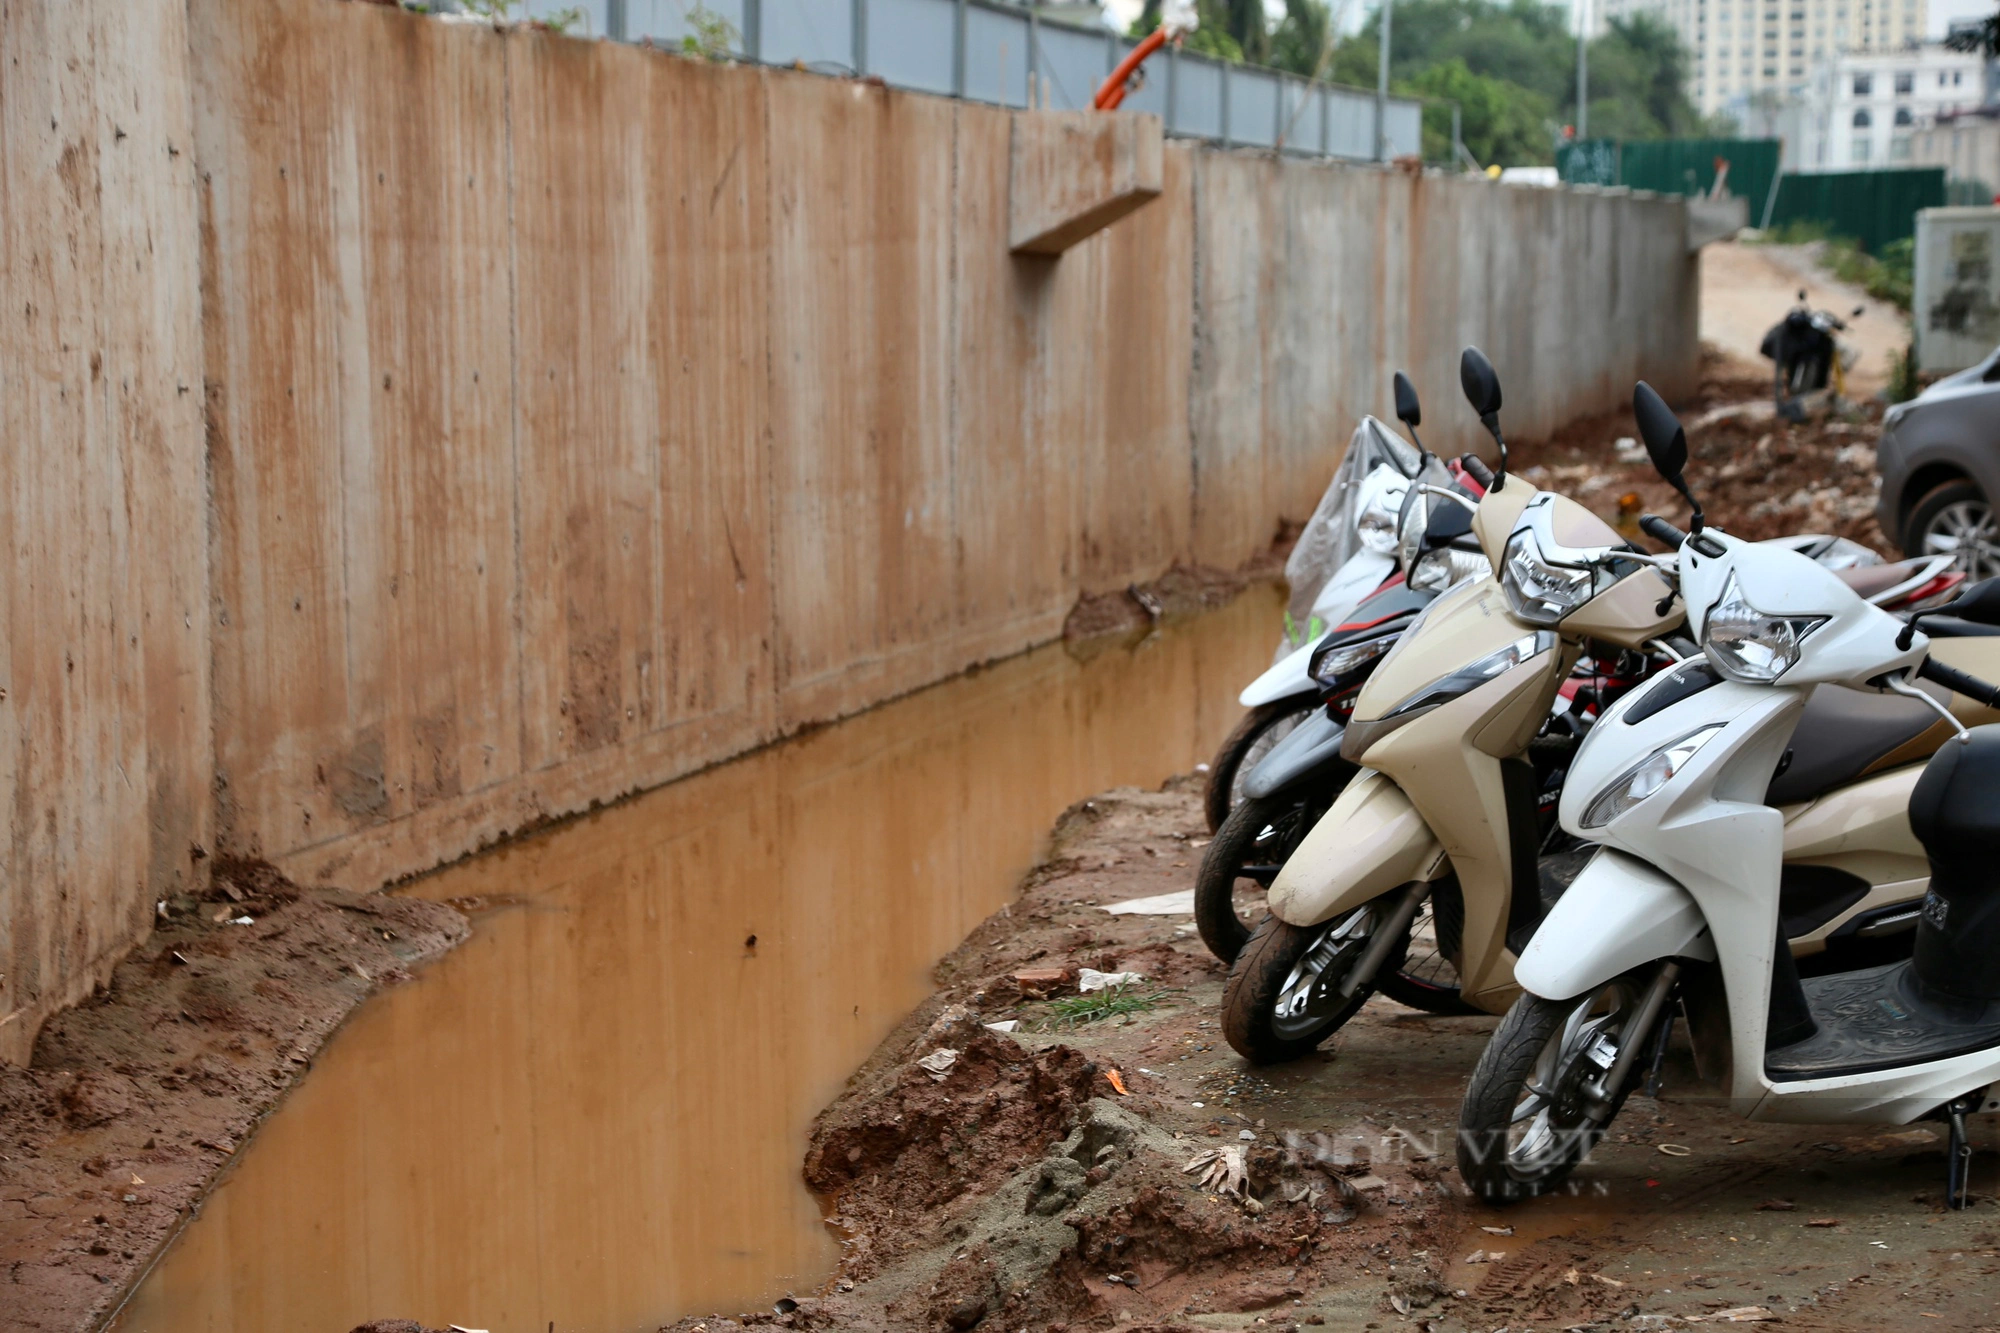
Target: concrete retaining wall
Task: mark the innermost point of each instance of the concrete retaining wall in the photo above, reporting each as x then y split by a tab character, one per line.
578	416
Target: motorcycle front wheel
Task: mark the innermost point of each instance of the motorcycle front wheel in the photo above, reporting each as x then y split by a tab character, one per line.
1261	728
1246	854
1526	1122
1283	996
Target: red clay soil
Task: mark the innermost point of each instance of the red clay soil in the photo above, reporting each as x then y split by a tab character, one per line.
136	1099
1756	476
1013	1186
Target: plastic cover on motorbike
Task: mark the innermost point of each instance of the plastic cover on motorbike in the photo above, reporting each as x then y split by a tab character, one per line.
1331	538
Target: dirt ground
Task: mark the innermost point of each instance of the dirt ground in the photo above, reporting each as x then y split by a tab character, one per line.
136	1099
1746	288
1755	475
1013	1185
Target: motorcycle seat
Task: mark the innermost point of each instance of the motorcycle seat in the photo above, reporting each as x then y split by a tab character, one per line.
1867	580
1840	735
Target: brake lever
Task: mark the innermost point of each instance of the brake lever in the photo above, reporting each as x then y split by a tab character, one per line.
1901	685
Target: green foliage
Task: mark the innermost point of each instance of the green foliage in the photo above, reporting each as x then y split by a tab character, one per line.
1903	385
710	36
1499	121
1113	1002
563	20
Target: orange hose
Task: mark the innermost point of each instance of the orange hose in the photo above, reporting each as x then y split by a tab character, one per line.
1112	91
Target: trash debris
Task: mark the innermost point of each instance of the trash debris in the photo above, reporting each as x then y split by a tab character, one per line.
1676	1150
1476	1257
938	1063
1822	1221
1498	1231
785	1305
1742	1314
1627	450
1005	1025
1089	979
1221	1170
1160	904
460	1328
1117	1082
1375	1182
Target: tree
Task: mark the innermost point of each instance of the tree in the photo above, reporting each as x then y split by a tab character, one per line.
1500	121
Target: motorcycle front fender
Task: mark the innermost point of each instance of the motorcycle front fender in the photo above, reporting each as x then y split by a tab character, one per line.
1287	679
1617	914
1305	749
1371	841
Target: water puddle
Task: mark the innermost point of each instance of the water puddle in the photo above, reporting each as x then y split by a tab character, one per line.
591	1116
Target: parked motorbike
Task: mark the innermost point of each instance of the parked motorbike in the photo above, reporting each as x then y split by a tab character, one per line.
1684	903
1466	755
1285	790
1806	356
1346	552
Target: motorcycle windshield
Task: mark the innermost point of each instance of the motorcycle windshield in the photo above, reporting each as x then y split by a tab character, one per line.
1332	535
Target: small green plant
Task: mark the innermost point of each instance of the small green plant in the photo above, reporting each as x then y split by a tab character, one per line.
503	11
1074	1011
1903	384
710	36
500	11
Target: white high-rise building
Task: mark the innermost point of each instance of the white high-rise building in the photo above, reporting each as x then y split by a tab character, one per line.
1741	48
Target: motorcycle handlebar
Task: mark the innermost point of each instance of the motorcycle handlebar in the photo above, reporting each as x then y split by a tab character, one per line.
1661	531
1958	682
1481	473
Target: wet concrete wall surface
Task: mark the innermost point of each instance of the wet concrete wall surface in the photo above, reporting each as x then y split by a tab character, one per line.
578	416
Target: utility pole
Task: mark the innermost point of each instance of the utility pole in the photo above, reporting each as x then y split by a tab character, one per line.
1582	70
1382	86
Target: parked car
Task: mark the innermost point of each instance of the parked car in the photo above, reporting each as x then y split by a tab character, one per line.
1939	457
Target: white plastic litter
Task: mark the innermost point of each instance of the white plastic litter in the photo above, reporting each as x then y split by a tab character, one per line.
1160	904
938	1063
1089	979
1005	1025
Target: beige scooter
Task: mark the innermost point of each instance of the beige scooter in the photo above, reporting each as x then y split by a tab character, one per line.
1447	806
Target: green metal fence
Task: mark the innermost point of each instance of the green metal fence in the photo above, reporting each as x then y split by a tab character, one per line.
1873	207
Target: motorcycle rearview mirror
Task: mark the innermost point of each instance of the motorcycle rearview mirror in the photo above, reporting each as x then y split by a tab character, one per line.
1482	389
1979	604
1666	444
1408	410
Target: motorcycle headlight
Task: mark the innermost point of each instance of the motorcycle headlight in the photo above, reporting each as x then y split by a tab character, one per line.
1467	679
1377	525
1446	567
1334	665
1748	646
1647	776
1538	592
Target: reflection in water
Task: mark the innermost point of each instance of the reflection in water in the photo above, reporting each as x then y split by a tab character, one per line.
594	1111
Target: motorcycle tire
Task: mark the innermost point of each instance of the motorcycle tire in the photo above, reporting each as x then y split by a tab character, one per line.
1517	1065
1257	838
1261	728
1264	977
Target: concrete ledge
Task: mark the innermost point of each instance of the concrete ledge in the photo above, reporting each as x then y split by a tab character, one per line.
1716	219
1074	173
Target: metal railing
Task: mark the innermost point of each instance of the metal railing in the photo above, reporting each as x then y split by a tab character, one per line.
1007	55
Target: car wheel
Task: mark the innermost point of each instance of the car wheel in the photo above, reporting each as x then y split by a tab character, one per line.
1958	520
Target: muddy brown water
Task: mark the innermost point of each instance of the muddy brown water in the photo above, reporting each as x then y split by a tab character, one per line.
593	1113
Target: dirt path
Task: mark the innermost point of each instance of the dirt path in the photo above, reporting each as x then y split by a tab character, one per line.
1012	1185
1745	289
138	1098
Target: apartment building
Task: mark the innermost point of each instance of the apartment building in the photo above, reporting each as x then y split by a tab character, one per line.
1742	48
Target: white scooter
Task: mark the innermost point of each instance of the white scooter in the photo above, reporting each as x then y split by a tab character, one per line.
1681	902
1345	553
